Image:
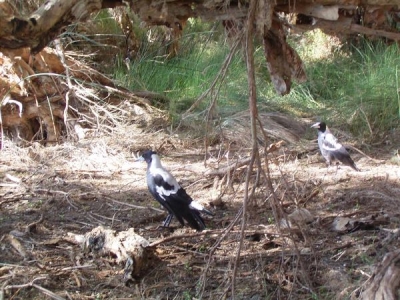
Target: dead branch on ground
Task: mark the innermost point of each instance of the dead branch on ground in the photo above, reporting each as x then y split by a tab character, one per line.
33	284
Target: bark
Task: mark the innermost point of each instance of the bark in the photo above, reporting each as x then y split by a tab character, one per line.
42	96
385	282
371	17
283	63
43	25
124	247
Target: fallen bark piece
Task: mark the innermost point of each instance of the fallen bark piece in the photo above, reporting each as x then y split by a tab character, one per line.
125	246
385	282
283	62
301	216
371	222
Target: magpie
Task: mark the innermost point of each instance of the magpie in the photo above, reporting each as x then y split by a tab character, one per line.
167	191
330	148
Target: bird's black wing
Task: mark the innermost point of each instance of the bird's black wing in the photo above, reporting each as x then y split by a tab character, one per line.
337	151
180	204
160	191
165	189
344	157
177	202
330	143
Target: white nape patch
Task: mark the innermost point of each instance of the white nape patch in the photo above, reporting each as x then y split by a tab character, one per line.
196	205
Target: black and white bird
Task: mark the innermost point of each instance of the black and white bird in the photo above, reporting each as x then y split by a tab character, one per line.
330	148
167	191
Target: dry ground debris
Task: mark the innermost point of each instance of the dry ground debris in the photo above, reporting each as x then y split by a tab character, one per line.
49	193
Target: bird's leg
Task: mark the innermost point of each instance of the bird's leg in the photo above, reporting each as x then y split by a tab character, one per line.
328	164
167	220
165	224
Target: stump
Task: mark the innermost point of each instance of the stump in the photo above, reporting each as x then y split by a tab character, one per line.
125	246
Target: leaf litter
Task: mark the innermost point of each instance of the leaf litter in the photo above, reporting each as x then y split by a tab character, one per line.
48	193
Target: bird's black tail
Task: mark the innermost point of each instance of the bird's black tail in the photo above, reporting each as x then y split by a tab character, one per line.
204	210
344	157
354	167
194	219
351	164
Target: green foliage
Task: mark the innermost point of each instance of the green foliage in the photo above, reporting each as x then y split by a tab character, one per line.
186	295
106	23
357	87
184	77
359	90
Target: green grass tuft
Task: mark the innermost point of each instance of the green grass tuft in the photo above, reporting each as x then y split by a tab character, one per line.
355	87
358	90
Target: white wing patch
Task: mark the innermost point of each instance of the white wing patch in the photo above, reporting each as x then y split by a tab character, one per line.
156	169
165	193
330	143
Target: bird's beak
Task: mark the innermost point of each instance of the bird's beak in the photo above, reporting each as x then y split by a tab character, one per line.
316	125
137	157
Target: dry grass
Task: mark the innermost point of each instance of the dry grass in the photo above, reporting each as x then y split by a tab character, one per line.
47	192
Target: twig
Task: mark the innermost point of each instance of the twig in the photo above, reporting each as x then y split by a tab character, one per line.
229	168
32	225
278	212
366	120
253	119
33	284
11	265
60	53
362	153
107	218
190	251
9	201
91	218
135	206
335	248
222	236
269	253
48	292
21	286
221	74
183	236
77	267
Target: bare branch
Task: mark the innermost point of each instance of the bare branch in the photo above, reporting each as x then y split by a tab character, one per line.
253	118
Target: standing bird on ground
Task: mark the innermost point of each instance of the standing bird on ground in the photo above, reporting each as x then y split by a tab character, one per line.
330	148
167	191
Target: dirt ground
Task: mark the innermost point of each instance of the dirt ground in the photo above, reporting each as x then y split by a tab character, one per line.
48	193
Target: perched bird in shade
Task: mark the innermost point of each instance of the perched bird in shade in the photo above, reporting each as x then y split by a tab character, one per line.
167	191
330	148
